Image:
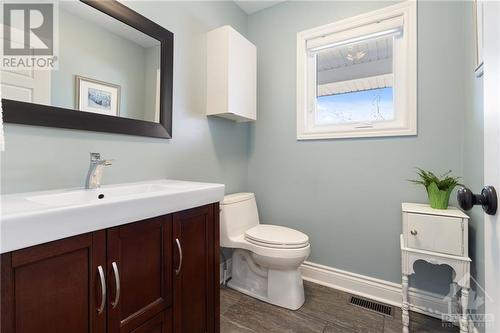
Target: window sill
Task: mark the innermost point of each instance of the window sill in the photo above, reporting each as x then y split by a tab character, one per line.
368	133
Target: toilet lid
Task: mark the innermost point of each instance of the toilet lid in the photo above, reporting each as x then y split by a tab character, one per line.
273	235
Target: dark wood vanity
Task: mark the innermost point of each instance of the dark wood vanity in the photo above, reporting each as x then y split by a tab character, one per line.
155	275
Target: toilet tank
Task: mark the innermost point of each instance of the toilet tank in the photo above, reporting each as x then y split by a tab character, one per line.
238	214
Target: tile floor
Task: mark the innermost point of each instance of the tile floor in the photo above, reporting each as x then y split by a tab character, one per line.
326	310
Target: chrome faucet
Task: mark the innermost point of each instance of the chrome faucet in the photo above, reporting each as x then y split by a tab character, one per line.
96	167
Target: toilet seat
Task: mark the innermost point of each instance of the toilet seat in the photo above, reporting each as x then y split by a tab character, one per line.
273	236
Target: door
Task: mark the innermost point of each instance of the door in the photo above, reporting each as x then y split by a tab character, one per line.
492	157
55	287
25	85
195	259
491	54
139	270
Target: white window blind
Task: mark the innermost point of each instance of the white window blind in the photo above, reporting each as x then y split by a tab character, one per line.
382	29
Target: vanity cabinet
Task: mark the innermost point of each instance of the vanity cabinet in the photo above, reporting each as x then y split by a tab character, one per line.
160	324
196	284
54	287
139	260
158	275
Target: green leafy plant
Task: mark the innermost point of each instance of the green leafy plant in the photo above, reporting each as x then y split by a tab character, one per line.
438	188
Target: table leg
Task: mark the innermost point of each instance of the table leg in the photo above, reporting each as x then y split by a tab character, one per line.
464	321
455	299
406	306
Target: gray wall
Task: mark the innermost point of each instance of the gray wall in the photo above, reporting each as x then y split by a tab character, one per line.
346	194
203	149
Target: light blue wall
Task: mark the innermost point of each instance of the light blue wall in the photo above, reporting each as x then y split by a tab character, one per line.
151	66
346	194
203	149
91	51
473	177
473	161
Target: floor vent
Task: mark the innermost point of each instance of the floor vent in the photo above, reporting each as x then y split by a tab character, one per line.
380	308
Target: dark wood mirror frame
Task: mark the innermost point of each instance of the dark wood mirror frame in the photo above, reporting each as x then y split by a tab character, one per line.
50	116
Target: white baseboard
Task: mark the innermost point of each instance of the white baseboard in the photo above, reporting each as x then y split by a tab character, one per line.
379	290
376	289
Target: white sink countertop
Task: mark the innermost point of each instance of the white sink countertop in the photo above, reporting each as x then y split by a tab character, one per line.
33	218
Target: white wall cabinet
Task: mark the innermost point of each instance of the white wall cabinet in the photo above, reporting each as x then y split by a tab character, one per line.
231	75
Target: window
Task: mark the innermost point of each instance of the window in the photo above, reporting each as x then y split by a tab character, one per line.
357	77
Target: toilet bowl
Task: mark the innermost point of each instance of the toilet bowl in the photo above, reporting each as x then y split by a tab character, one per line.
266	258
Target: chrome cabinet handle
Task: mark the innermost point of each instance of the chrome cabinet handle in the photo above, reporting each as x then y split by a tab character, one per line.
103	289
178	270
413	232
117	284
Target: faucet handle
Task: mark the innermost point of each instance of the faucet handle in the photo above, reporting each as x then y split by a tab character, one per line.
95	156
108	162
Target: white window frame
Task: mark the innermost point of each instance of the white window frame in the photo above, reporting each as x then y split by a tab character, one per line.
404	71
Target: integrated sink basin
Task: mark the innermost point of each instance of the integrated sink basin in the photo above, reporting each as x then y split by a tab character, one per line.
75	197
33	218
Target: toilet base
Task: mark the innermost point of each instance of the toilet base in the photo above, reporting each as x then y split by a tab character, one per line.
280	287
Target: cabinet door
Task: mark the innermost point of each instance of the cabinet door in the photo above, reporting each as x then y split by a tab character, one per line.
429	230
195	289
139	268
55	287
162	323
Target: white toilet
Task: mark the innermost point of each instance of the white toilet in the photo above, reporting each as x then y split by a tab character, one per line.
266	258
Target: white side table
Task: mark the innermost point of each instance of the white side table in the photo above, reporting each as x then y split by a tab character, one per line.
438	236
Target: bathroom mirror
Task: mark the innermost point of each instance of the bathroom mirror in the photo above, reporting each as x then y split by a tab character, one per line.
113	74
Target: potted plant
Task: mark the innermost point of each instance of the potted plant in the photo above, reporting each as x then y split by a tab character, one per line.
438	188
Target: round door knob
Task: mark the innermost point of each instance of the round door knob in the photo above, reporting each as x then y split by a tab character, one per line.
413	232
487	199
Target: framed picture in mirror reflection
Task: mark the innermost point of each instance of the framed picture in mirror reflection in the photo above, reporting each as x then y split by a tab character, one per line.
97	96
